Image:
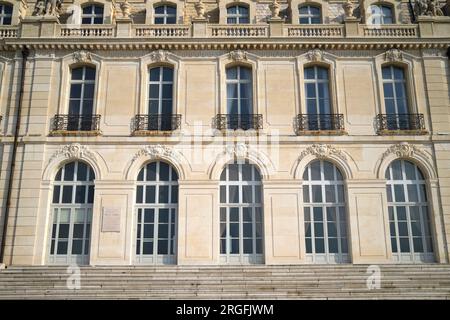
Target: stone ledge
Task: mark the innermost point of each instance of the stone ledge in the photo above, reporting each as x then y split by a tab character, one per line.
322	133
151	133
66	133
402	132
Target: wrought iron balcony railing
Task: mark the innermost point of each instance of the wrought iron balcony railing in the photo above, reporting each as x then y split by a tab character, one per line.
157	122
75	122
400	122
318	122
238	121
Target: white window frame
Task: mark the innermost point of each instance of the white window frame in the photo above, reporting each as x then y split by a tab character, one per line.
165	15
239	82
309	15
225	183
160	84
4	15
92	15
83	82
238	15
316	81
339	206
423	207
71	208
155	258
393	81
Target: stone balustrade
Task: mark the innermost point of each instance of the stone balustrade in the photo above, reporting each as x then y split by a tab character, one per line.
162	31
307	31
390	31
232	31
88	31
8	32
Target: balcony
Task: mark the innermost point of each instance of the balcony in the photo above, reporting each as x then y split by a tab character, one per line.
162	31
8	32
320	124
244	30
87	31
238	121
314	31
390	31
145	124
406	123
64	124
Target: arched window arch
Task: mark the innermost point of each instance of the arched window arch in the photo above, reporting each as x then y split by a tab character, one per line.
165	14
238	14
309	14
409	220
6	11
325	213
381	14
239	97
317	95
73	197
92	14
241	214
157	211
81	99
160	98
396	98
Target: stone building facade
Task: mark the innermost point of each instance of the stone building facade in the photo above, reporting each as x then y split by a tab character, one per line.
224	132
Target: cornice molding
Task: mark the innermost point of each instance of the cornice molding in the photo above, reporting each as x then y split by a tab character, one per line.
114	44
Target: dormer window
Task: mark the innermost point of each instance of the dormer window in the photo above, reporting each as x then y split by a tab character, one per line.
165	14
309	15
92	14
381	14
237	15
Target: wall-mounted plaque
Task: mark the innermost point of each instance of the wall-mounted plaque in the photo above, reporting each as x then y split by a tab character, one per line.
111	219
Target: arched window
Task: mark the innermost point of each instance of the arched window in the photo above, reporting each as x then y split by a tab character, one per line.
157	206
237	15
239	97
318	107
5	14
241	214
325	214
73	196
408	213
81	99
395	98
92	14
309	14
160	98
165	14
380	14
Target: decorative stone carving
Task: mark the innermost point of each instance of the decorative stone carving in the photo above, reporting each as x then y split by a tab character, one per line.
159	56
200	9
403	150
47	8
238	55
393	55
275	9
323	151
156	151
239	150
315	55
82	56
427	8
73	151
126	9
348	8
23	9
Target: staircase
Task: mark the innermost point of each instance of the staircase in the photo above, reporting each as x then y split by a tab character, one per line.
431	281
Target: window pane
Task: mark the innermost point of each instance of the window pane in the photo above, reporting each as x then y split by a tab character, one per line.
317	194
67	194
233	194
